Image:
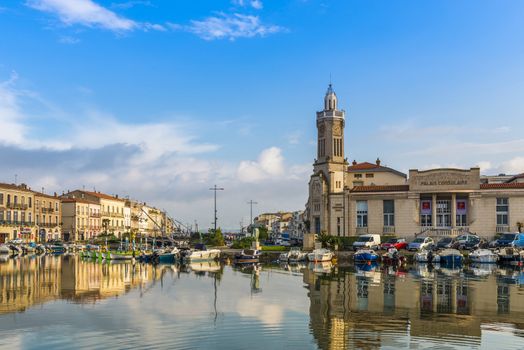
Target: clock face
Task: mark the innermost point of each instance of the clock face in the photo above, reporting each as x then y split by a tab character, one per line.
337	130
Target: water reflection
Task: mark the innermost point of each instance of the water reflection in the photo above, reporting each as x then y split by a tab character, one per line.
209	305
368	306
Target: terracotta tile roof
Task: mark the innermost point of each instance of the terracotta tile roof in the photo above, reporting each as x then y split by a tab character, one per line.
514	185
103	195
366	166
79	200
386	188
40	194
14	187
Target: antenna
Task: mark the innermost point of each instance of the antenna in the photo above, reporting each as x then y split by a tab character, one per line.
16	179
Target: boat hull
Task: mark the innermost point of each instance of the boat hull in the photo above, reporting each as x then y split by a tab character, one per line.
451	260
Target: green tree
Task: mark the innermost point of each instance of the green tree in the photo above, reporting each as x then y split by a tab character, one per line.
263	233
215	238
324	239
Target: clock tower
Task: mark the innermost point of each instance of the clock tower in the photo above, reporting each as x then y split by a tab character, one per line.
326	186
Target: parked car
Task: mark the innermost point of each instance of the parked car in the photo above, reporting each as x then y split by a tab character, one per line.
370	241
421	243
467	242
518	242
445	242
504	240
399	243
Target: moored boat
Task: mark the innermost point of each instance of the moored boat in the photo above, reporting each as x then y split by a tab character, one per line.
200	253
295	255
483	256
321	254
427	256
364	255
4	249
451	257
166	255
248	256
393	257
510	255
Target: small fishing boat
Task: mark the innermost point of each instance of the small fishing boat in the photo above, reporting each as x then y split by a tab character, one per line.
55	247
451	257
295	255
15	249
247	256
201	253
119	256
283	257
168	255
393	257
4	249
321	254
427	256
364	255
483	256
510	256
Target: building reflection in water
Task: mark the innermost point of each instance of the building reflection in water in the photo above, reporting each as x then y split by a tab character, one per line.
373	306
29	281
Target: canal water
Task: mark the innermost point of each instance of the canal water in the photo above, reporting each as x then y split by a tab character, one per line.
63	302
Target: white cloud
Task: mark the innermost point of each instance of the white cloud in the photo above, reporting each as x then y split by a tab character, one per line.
11	116
270	164
84	12
231	26
256	4
512	166
130	4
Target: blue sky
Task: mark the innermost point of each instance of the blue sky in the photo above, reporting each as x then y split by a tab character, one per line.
159	100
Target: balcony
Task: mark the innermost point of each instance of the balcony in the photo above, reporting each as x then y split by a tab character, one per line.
48	225
94	215
117	215
388	230
442	231
16	206
48	210
502	229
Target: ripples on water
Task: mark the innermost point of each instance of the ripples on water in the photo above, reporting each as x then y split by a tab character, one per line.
64	302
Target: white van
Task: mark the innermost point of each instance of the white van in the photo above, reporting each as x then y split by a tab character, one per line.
370	241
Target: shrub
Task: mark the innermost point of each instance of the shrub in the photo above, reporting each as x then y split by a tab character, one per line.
242	243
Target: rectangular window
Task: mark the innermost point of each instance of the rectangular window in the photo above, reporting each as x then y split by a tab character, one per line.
29	218
502	211
362	214
9	216
1	199
23	217
1	216
30	200
15	216
369	176
444	213
426	212
358	176
389	212
317	226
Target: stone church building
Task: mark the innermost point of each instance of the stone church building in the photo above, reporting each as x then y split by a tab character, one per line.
358	198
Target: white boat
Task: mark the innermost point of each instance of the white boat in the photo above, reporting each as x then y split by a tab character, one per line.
484	256
283	257
321	254
116	256
296	255
4	249
427	256
202	255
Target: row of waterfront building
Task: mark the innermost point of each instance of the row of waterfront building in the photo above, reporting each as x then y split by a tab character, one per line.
76	215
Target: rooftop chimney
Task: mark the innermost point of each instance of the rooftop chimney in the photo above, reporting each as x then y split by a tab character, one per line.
378	161
354	162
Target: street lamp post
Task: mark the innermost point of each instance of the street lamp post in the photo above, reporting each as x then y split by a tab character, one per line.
251	202
215	189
